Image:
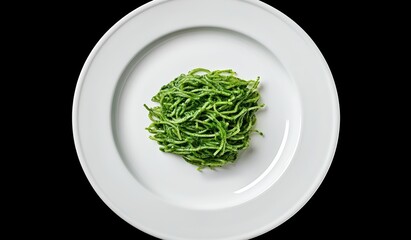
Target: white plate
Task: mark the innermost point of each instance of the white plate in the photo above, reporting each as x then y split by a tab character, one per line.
161	194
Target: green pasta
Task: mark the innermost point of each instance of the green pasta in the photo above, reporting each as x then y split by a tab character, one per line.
205	116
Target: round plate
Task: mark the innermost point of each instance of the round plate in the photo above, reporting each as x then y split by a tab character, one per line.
160	193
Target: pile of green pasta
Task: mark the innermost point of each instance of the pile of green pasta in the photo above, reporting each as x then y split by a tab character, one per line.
205	116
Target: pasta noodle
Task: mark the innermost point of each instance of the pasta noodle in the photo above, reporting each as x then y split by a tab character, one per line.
205	116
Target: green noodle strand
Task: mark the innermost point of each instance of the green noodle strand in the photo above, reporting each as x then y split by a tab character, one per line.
205	116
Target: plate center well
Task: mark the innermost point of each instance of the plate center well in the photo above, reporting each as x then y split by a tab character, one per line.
168	175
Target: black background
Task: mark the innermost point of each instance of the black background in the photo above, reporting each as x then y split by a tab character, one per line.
63	203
